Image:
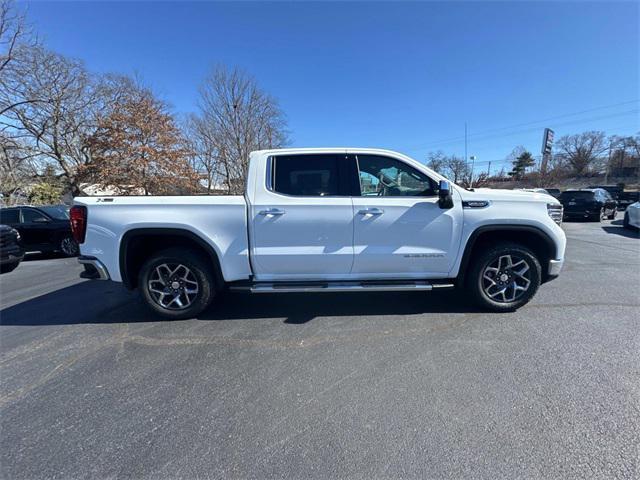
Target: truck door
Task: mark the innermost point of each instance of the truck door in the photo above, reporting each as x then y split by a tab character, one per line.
400	231
302	219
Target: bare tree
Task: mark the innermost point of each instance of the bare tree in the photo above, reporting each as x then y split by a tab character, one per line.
15	39
203	150
55	105
238	117
458	170
16	171
583	151
623	154
450	166
437	161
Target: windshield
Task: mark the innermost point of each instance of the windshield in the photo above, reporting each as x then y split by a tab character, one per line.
57	212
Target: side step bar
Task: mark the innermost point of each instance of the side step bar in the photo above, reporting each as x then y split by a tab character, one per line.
297	287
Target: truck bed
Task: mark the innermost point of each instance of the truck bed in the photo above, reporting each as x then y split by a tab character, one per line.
221	221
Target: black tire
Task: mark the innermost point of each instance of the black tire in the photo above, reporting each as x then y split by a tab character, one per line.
477	284
613	215
597	217
9	267
68	246
201	273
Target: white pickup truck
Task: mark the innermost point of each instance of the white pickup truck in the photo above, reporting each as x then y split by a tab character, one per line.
324	220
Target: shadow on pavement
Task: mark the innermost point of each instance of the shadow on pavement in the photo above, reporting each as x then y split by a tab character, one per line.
32	256
110	303
617	228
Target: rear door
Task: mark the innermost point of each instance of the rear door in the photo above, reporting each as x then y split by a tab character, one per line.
400	231
302	219
11	217
36	228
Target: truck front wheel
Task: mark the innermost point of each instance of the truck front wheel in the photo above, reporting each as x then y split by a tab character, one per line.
177	284
504	277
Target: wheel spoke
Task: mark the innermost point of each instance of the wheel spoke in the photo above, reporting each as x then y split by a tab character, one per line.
173	286
506	278
489	279
495	294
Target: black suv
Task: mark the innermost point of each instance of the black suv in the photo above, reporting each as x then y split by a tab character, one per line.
43	229
627	198
11	252
592	204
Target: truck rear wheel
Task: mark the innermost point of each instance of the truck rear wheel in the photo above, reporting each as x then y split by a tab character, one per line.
504	277
177	284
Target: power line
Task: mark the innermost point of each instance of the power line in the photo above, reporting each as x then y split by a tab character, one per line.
572	122
483	132
537	157
517	132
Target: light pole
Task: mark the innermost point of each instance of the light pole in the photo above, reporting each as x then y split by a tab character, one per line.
473	163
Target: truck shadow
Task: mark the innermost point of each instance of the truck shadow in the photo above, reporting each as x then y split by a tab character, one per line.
108	303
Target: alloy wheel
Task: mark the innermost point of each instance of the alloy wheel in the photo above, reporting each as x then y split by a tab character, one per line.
506	279
69	246
173	286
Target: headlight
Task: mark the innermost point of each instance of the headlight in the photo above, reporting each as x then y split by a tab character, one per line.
555	212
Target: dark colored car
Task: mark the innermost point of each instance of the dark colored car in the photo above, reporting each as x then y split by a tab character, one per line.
614	190
554	192
43	229
11	252
591	204
627	198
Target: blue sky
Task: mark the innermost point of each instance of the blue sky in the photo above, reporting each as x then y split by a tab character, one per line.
404	76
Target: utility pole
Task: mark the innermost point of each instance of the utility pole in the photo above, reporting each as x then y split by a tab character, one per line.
473	164
466	159
489	169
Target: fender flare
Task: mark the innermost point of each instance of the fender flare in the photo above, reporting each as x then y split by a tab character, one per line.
466	256
180	232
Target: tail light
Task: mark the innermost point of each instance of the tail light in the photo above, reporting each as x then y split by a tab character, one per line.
555	211
78	217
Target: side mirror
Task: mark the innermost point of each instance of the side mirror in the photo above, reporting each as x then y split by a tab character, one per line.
445	200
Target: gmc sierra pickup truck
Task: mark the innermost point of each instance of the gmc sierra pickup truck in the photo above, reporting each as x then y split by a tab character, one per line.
324	220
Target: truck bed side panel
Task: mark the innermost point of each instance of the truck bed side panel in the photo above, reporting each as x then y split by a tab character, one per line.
220	221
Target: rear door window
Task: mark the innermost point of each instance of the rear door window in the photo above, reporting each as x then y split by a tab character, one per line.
30	215
309	175
9	216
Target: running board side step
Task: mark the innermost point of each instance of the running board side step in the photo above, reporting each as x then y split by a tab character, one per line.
298	287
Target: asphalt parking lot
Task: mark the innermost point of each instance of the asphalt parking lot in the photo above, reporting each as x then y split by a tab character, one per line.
326	385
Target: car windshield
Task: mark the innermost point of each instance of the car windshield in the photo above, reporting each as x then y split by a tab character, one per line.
58	212
576	195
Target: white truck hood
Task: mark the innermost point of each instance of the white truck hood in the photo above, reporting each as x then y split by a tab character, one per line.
508	195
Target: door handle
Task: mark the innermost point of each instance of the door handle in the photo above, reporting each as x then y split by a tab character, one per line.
371	211
272	211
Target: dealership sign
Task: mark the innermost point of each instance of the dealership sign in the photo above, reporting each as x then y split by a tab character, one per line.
547	141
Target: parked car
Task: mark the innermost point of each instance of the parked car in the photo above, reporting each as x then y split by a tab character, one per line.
632	216
43	229
627	198
588	203
614	190
554	192
535	190
324	220
11	251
